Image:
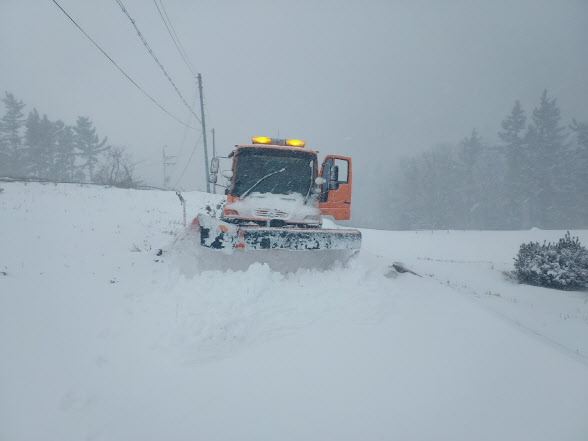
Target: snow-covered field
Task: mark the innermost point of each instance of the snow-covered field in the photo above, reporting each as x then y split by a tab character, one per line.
101	339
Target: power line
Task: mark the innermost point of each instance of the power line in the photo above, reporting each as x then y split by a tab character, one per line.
189	159
189	120
178	44
175	33
155	57
120	69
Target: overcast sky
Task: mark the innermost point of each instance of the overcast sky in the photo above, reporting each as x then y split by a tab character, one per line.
372	79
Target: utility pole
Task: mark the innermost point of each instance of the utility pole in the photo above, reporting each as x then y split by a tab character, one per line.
214	156
165	165
213	145
203	133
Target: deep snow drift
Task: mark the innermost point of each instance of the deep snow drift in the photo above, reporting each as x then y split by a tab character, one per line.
102	339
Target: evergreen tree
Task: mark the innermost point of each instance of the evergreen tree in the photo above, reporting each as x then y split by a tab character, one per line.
46	155
546	139
4	157
579	171
40	146
535	177
11	148
64	165
517	170
468	152
33	140
581	131
88	144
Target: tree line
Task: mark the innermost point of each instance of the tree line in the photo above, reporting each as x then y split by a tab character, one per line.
36	147
537	176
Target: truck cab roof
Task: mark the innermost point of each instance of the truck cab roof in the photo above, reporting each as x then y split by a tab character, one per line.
274	147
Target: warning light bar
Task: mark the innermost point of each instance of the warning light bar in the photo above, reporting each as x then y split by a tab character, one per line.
276	141
261	140
295	142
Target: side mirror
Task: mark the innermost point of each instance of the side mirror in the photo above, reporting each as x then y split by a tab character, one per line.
326	174
214	166
212	178
227	174
334	177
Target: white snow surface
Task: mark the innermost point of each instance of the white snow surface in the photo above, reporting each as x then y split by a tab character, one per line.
101	339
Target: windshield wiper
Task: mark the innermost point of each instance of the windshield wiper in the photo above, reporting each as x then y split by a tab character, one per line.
245	193
310	186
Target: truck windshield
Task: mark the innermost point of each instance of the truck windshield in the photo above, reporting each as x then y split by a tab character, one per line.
263	170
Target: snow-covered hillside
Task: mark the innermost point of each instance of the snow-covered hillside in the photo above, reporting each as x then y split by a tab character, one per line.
102	339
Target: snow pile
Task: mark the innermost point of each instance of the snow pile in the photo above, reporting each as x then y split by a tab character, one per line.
561	265
102	338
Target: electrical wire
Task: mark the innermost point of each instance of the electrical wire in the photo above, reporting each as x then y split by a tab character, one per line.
190	159
178	44
120	69
174	31
176	40
189	120
155	57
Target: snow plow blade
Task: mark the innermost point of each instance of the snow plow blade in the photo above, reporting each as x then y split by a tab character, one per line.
260	238
217	234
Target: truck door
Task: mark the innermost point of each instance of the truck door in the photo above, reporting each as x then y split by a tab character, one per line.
335	199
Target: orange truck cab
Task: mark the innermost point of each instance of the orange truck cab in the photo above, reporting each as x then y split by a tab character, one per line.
277	182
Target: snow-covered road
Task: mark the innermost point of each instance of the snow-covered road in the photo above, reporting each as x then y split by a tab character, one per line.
101	339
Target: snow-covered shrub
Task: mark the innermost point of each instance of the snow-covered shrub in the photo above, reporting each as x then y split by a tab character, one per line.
561	265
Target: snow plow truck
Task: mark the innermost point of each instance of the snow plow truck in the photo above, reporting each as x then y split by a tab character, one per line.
276	198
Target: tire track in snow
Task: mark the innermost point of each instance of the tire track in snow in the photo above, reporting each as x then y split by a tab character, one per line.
468	292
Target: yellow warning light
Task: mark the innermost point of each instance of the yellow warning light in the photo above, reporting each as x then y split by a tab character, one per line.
260	140
276	141
295	142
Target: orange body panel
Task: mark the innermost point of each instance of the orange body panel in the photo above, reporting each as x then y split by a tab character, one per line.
338	203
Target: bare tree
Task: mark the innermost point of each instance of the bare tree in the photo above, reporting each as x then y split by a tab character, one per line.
117	169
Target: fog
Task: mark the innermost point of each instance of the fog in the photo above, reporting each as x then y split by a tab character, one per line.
376	80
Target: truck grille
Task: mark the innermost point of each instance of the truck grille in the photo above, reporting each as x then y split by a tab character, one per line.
270	213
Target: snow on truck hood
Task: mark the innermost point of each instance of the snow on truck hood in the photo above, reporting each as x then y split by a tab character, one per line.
269	205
